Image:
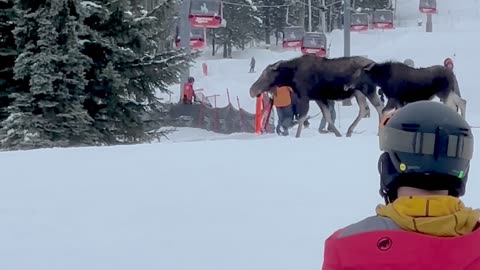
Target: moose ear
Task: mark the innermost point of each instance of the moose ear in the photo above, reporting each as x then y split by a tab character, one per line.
368	67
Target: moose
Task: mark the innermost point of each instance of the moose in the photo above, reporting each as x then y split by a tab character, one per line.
403	84
320	79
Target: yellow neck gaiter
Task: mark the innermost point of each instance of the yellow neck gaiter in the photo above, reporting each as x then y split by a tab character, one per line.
434	215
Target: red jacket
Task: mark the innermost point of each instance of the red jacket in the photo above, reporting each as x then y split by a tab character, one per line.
188	90
401	250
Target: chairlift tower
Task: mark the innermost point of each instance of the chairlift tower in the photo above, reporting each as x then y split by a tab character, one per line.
346	27
184	30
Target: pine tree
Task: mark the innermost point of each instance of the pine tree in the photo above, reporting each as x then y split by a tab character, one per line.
334	15
129	66
50	113
8	54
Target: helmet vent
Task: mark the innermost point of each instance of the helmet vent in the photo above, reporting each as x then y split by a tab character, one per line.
411	127
464	131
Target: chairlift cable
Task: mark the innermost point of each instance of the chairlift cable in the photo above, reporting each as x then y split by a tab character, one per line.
274	6
253	5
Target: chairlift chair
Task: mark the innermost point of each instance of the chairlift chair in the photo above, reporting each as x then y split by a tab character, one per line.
382	19
206	13
314	43
359	22
292	36
428	6
197	38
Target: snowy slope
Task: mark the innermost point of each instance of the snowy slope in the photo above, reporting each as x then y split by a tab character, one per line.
214	202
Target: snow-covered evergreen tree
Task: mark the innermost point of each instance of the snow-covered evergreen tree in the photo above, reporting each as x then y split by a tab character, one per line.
50	113
8	54
129	67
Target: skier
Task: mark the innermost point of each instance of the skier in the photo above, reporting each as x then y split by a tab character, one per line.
427	148
282	101
252	65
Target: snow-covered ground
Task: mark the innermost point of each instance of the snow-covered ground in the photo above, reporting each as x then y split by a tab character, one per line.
214	202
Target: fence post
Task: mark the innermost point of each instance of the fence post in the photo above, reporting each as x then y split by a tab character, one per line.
228	97
205	69
200	116
258	114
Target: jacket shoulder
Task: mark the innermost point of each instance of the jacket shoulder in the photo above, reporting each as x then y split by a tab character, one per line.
388	248
373	223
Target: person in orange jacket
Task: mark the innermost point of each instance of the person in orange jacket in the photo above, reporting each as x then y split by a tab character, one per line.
423	225
282	100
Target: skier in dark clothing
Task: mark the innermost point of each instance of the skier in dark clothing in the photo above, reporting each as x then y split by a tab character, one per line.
252	65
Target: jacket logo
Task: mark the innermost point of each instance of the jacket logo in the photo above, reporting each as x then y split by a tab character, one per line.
384	243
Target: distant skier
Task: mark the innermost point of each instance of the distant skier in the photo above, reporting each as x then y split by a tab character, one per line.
282	101
423	224
252	65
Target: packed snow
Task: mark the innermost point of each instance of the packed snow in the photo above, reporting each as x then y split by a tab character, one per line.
207	201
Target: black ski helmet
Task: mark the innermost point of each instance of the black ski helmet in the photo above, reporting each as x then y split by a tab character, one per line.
426	145
191	80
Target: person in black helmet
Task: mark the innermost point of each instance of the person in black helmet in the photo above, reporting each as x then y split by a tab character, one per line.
424	167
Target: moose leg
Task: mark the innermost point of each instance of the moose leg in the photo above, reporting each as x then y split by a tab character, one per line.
326	113
379	106
362	104
375	100
302	108
453	101
392	103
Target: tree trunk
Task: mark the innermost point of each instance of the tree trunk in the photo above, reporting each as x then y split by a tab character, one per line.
301	19
213	42
225	51
267	27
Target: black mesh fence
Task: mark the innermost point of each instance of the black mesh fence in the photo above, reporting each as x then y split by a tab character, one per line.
226	120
